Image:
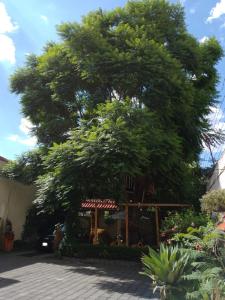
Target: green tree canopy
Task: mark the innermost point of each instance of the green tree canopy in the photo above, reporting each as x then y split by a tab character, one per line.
213	201
141	51
122	139
26	168
126	91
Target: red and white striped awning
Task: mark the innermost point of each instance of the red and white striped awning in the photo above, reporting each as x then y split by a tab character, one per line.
99	203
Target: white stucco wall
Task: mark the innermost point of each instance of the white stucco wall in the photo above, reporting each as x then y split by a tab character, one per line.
15	199
217	180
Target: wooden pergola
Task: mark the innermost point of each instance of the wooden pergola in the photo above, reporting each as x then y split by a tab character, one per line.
156	206
109	204
98	204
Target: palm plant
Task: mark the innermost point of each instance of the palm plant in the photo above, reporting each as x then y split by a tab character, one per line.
211	138
167	268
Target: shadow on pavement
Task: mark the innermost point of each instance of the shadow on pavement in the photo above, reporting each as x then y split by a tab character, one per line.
116	277
119	277
15	260
128	287
6	281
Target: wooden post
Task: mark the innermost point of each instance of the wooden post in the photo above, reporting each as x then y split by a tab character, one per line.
96	226
91	218
157	226
117	228
127	225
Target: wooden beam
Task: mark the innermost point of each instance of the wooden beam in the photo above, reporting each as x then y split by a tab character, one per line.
127	225
96	226
157	226
139	204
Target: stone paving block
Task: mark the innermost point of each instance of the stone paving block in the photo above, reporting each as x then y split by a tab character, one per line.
42	277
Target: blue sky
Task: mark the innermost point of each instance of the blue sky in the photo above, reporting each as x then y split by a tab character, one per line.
25	27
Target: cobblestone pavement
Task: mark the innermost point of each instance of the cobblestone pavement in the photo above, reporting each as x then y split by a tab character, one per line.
34	277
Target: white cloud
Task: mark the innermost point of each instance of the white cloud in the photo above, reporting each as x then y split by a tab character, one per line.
44	18
192	11
32	141
7	47
25	128
217	120
13	137
203	39
217	11
216	117
6	24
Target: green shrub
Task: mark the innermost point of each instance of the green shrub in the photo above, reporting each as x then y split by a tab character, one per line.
206	247
202	238
185	273
213	201
102	251
180	221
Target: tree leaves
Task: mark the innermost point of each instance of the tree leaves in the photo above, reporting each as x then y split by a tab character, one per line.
124	92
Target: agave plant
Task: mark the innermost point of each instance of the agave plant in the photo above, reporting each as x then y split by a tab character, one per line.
167	268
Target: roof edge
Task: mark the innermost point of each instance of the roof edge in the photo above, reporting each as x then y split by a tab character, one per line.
3	159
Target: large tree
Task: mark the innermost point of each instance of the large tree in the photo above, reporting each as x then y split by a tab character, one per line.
143	52
122	139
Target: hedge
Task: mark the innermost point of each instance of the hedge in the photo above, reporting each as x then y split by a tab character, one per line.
103	251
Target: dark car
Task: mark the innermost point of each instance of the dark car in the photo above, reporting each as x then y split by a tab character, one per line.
46	243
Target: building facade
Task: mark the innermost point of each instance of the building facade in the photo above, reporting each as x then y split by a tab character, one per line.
15	200
217	179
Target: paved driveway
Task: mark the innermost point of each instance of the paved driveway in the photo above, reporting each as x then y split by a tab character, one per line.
31	277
